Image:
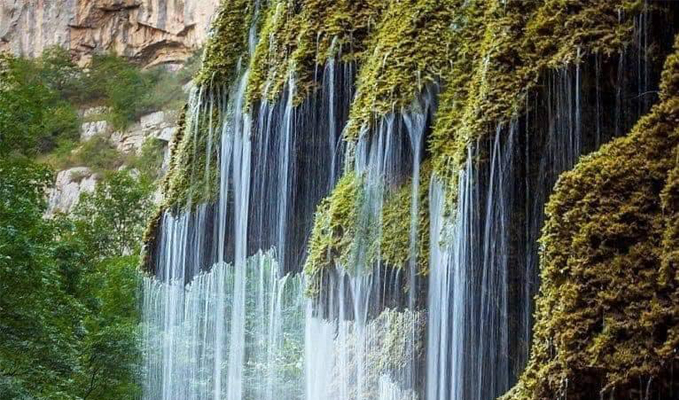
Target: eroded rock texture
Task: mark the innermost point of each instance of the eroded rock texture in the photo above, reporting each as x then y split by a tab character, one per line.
151	32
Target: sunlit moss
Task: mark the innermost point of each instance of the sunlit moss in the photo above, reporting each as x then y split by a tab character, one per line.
410	49
485	56
228	42
334	232
188	182
501	50
297	39
338	231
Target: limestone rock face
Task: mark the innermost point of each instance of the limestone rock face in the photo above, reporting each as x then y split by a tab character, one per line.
69	185
158	125
90	129
151	32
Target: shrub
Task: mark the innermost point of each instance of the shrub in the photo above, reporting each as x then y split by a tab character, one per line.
150	159
99	153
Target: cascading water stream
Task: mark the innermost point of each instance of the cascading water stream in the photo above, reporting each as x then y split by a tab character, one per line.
226	316
223	317
484	254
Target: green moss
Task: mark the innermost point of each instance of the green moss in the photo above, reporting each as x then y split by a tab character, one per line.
410	49
228	42
149	239
607	312
485	55
501	50
340	233
396	44
188	182
335	228
395	241
298	37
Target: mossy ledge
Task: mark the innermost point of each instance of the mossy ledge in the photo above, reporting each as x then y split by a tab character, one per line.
187	183
334	230
501	51
298	37
338	235
228	42
485	55
607	311
489	56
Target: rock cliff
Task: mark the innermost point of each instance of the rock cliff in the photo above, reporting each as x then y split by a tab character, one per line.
70	183
151	32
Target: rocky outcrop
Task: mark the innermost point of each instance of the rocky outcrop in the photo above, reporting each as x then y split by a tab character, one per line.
158	125
69	185
151	32
607	311
72	182
90	129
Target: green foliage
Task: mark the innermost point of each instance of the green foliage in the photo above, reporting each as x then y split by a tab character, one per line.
607	312
131	92
61	74
110	351
32	114
36	316
97	153
150	160
110	221
121	85
39	98
68	315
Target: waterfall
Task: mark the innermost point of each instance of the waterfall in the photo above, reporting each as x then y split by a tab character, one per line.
483	264
484	253
189	330
469	324
225	315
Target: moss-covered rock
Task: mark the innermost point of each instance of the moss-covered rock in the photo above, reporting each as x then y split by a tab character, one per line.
339	235
193	176
607	312
395	238
484	55
487	55
501	50
228	42
298	37
334	232
409	50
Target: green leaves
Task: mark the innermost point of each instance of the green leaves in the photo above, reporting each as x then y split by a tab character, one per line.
68	314
33	114
110	221
36	316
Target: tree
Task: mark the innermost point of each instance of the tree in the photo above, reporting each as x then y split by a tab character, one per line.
111	219
37	318
33	114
